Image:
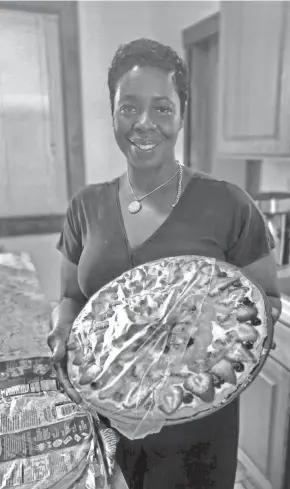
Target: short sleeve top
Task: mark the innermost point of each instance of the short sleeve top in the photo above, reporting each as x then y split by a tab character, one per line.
213	218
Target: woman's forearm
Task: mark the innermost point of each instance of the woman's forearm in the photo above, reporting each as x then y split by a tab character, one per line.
276	305
65	312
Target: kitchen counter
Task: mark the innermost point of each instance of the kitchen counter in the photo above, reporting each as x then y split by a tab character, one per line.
285	314
25	312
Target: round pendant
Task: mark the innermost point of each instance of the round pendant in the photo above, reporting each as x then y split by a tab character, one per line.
134	207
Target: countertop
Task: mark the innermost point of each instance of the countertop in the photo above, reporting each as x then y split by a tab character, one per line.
25	311
285	314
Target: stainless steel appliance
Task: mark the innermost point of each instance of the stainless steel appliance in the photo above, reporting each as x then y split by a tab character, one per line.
275	206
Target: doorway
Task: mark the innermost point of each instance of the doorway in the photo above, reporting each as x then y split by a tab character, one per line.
201	43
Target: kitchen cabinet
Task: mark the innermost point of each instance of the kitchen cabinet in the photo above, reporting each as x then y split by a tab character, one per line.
254	79
264	418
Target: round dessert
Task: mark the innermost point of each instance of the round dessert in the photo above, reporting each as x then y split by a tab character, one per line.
167	342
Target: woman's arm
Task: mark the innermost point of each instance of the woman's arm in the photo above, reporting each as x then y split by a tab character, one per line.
71	303
264	272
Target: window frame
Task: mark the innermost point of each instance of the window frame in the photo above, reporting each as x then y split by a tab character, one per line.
67	12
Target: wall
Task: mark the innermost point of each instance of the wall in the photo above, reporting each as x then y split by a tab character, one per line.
103	26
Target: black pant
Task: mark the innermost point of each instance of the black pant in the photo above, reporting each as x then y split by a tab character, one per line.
196	455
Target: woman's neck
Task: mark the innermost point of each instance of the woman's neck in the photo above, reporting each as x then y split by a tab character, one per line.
144	180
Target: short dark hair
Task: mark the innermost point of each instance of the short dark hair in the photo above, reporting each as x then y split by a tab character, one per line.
146	52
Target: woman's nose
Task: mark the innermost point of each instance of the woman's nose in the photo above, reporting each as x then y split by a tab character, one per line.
144	121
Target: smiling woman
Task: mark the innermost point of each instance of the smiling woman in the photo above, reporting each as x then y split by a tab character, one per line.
108	231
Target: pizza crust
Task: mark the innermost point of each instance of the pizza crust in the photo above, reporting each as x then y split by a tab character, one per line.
167	342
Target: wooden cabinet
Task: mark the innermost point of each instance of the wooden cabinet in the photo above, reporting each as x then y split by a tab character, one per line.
254	79
264	419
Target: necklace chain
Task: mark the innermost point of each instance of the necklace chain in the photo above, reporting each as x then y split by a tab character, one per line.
179	187
135	206
138	199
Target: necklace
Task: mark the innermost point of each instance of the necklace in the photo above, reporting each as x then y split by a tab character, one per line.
135	206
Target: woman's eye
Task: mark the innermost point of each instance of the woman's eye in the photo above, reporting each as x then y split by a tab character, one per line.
164	110
127	109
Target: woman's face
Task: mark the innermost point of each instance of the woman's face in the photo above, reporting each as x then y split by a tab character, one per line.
147	117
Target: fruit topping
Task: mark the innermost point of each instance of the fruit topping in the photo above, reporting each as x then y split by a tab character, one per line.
225	370
90	375
246	313
238	366
256	322
249	344
217	381
170	399
237	283
247	332
201	385
240	354
79	358
138	395
222	274
187	398
247	302
118	397
90	358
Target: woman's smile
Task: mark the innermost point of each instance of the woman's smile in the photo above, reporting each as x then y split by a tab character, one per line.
144	146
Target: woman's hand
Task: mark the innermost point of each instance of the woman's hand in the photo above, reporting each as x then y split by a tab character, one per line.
57	342
275	314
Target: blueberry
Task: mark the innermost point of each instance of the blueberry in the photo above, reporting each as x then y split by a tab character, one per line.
249	344
222	274
247	302
256	322
191	342
237	283
166	349
239	366
217	381
187	398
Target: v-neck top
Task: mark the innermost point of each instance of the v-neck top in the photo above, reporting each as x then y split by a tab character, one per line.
213	218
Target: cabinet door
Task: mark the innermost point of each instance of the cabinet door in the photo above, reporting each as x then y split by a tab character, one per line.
254	85
264	426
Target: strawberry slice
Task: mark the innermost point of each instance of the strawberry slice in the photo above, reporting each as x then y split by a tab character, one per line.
247	332
79	358
138	395
240	354
171	399
246	313
201	385
225	370
90	375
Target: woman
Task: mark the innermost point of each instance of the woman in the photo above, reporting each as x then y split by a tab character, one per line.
158	209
